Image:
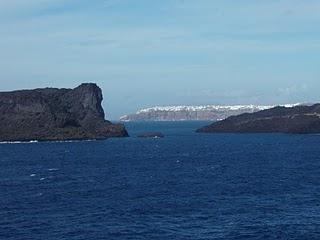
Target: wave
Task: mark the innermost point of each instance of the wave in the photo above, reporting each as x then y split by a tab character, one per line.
19	142
36	141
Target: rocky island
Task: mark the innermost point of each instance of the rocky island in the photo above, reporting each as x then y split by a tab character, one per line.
151	135
300	119
52	114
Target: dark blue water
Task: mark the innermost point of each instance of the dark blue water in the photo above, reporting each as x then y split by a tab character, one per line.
185	186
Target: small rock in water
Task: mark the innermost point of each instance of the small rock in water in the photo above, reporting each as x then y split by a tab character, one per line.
151	135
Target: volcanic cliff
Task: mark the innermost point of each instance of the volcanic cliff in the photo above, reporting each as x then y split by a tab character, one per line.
191	113
299	119
52	114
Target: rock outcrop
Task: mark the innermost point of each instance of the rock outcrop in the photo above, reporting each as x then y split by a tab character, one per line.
298	119
52	114
151	135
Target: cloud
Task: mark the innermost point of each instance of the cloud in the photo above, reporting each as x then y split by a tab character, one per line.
231	96
293	90
88	29
18	6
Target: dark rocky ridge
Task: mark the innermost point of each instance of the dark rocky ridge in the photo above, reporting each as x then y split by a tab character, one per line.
299	119
51	114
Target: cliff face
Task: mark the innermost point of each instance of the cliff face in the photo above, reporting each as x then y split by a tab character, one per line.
191	113
55	114
299	119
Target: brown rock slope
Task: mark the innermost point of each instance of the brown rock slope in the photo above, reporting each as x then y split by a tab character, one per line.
55	114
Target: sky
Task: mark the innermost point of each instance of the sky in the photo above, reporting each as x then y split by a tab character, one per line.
145	53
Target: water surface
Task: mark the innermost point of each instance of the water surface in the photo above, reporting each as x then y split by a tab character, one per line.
184	186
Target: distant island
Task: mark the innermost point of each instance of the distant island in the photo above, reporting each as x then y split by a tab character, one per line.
192	113
297	120
52	114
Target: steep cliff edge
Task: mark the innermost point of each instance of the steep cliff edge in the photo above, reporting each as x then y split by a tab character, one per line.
191	113
298	119
51	114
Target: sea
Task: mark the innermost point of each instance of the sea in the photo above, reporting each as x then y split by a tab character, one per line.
183	186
